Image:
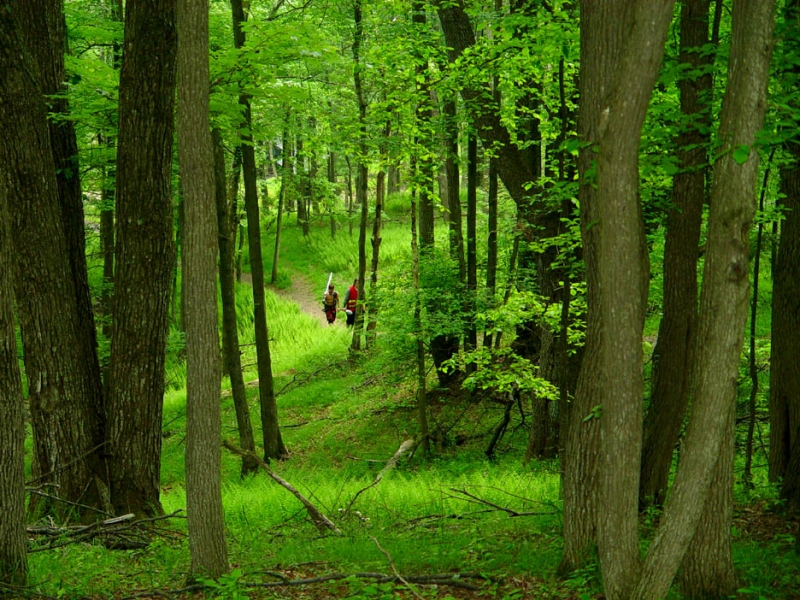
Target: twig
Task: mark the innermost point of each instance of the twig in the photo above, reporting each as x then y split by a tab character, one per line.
189	588
390	464
38	492
322	522
394	569
513	513
65	465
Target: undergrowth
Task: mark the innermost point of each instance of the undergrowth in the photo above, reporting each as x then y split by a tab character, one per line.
342	418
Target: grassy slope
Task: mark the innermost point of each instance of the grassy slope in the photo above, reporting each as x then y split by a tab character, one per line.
342	419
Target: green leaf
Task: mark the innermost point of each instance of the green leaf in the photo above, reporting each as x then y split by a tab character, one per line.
741	154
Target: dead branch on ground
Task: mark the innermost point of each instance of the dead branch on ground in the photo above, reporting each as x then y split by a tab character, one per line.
467	497
394	569
439	579
123	532
390	464
322	523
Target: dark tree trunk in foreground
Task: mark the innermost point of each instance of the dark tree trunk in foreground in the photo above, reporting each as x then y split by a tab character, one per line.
64	397
46	35
145	256
672	355
723	308
784	394
203	423
13	537
600	45
226	226
273	442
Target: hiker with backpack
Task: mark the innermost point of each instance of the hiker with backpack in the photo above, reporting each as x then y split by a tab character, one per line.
330	303
350	301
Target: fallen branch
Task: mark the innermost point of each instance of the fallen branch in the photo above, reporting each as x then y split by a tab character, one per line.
448	579
38	492
390	464
322	522
512	513
394	569
117	532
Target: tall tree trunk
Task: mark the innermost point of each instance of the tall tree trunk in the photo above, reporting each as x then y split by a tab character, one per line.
64	398
599	45
491	245
747	476
784	393
784	368
145	256
672	357
203	423
422	401
46	33
303	215
273	442
238	232
471	341
281	202
707	569
108	194
362	177
13	537
226	226
377	224
635	38
332	179
454	223
724	296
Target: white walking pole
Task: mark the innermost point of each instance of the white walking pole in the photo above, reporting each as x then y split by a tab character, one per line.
330	278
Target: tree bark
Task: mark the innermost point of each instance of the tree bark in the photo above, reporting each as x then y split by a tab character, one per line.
784	394
273	442
281	201
672	357
377	224
46	33
226	226
145	256
13	537
203	423
454	221
471	340
784	368
724	296
623	276
362	175
64	398
707	569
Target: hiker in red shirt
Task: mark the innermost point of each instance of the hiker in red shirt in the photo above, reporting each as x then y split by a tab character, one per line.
350	301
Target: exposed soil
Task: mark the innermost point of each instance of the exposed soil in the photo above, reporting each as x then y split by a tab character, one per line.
305	294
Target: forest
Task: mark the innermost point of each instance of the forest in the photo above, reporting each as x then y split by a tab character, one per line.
377	299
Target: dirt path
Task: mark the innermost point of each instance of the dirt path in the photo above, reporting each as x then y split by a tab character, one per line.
302	293
305	295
